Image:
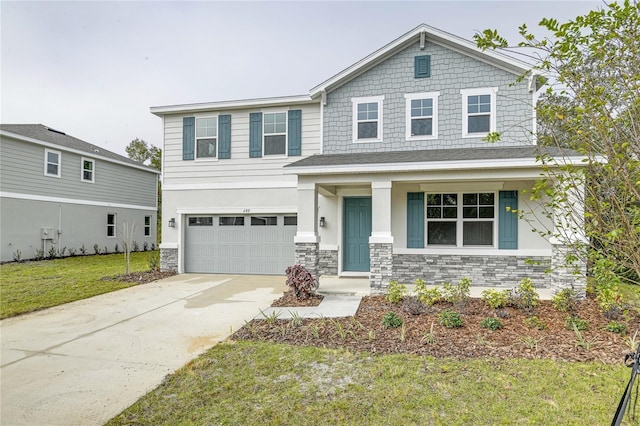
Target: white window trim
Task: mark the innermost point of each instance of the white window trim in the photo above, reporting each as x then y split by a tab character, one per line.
93	170
195	134
465	93
434	117
286	135
366	100
46	162
115	225
147	226
460	222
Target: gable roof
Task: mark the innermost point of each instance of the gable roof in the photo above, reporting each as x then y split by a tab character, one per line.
421	33
43	135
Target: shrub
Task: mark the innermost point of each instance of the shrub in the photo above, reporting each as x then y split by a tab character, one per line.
52	252
301	281
412	306
135	246
609	299
457	293
153	261
450	319
396	291
17	256
565	300
427	296
72	251
106	250
391	320
153	246
534	322
496	299
62	251
572	322
491	323
524	296
83	249
116	249
616	327
96	249
39	254
145	246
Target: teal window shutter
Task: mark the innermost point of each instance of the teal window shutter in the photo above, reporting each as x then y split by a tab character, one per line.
188	137
295	132
415	220
507	220
422	66
255	135
224	136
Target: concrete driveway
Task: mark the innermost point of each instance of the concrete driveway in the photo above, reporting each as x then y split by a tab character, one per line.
84	362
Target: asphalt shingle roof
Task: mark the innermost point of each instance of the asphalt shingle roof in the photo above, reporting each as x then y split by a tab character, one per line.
46	134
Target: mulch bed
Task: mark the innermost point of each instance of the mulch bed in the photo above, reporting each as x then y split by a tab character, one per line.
289	299
365	332
141	277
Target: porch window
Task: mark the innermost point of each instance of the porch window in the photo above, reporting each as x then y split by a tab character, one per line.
442	214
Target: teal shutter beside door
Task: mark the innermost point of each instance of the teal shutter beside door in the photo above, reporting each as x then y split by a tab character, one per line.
295	132
415	220
188	137
507	220
224	136
255	134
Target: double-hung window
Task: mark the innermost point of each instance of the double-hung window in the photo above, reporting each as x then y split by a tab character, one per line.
147	226
442	217
367	119
478	216
52	161
422	115
111	225
207	137
275	133
478	111
88	170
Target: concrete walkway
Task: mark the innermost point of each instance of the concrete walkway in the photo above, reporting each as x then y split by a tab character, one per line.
84	362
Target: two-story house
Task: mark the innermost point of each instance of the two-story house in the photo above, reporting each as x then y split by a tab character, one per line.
382	170
60	195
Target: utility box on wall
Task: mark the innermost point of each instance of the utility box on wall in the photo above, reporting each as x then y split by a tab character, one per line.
46	233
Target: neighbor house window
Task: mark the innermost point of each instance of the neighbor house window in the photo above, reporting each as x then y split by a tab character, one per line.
52	163
111	224
422	115
147	226
470	223
478	111
264	220
207	137
88	170
367	119
290	220
275	133
231	221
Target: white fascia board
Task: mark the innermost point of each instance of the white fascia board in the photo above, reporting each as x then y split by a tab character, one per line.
235	104
227	185
76	151
32	197
434	35
428	166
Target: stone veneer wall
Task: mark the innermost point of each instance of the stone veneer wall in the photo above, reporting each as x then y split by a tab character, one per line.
169	259
498	271
381	267
328	262
307	255
563	276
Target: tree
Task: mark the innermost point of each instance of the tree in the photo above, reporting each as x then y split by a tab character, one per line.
139	150
592	106
125	236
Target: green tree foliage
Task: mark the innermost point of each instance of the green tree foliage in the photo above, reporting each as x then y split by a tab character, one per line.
139	150
592	106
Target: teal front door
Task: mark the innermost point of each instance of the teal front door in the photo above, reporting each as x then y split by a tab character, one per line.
357	230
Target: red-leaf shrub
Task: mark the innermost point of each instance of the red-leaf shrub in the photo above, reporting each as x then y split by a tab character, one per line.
301	281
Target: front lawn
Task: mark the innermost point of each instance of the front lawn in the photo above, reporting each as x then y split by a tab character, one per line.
273	384
30	286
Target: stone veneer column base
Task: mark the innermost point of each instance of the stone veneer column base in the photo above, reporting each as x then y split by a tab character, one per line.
567	276
307	255
328	262
381	269
169	259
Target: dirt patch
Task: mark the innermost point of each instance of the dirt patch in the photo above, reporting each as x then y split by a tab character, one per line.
141	277
422	334
289	300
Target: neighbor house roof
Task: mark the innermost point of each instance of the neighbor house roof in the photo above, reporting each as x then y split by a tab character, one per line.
43	135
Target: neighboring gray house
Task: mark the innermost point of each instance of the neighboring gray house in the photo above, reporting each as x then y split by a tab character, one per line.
58	192
380	171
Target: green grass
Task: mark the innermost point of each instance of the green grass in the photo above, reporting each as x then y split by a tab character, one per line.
272	384
30	286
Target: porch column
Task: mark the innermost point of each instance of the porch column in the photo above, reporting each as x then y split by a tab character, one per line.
307	239
381	240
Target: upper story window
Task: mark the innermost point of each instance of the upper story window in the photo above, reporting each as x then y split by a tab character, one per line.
88	170
367	119
52	161
478	111
111	225
275	133
422	115
207	137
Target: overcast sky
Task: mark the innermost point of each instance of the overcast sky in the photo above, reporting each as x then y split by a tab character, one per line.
93	69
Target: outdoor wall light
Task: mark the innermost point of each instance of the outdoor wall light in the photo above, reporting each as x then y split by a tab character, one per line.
172	222
322	222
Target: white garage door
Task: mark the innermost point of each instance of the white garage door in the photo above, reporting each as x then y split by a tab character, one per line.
249	244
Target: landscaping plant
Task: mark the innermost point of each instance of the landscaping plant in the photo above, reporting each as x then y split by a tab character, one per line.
450	319
496	299
566	300
301	281
396	291
425	295
391	320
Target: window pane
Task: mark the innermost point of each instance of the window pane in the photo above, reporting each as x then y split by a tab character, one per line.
441	233
434	212
434	199
472	104
275	145
478	124
290	220
201	221
88	165
469	199
231	221
450	212
52	157
486	198
206	148
264	221
450	199
421	127
147	220
368	130
486	212
470	212
269	128
477	234
368	111
206	127
111	219
52	169
86	175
